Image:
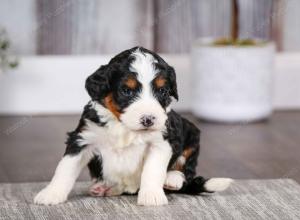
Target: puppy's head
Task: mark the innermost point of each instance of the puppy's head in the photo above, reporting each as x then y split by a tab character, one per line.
136	86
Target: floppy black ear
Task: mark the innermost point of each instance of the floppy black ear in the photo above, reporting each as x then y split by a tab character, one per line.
97	84
173	84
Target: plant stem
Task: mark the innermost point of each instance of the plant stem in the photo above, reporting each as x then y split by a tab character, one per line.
234	21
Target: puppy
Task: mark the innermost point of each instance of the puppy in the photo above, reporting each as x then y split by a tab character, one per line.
130	139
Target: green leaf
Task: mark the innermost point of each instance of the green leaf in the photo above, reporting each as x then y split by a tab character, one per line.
14	64
4	44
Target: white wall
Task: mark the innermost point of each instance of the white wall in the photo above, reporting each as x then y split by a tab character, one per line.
55	84
291	27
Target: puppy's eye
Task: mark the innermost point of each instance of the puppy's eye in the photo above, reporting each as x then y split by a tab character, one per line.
163	92
127	92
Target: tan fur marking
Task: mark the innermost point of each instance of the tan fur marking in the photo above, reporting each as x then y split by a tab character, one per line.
178	166
131	83
186	154
160	82
109	104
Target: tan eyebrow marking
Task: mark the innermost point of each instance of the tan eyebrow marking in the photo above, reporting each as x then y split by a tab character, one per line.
160	82
131	83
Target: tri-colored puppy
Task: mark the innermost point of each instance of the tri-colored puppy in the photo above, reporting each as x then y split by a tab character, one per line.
130	138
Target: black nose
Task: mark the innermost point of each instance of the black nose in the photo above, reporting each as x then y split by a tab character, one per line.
147	120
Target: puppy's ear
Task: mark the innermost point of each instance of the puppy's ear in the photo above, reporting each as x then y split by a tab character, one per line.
97	84
173	84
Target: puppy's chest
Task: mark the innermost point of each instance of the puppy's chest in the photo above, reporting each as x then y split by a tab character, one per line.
122	150
123	163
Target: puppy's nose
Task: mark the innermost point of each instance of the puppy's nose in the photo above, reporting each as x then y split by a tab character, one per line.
147	120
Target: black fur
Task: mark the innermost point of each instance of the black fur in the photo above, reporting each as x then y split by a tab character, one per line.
95	167
74	137
182	134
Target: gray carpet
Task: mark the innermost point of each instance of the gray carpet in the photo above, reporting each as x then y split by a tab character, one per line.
245	199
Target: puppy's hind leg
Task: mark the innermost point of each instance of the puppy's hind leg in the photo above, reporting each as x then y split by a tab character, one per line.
187	162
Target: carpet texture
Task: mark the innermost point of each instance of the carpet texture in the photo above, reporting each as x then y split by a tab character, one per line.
245	199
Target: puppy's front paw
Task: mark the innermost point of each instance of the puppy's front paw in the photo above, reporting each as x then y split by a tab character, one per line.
152	197
48	196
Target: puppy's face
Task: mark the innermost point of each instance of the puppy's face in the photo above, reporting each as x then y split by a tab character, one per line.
136	86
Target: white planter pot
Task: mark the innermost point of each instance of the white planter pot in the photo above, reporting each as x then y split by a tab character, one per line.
230	83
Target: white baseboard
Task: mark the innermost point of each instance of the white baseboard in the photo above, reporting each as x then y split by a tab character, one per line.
55	84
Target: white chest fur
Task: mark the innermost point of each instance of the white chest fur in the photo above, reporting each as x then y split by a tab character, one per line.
123	156
121	149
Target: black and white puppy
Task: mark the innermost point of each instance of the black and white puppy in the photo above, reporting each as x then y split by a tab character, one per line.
129	137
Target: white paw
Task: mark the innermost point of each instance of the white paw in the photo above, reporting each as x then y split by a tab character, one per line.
174	180
48	196
217	184
152	197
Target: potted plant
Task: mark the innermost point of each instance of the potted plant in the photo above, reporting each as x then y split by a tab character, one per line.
232	77
6	60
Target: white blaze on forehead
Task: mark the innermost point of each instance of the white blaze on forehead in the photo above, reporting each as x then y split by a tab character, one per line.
146	103
144	66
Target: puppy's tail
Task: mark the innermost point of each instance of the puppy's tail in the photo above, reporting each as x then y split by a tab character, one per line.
200	185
